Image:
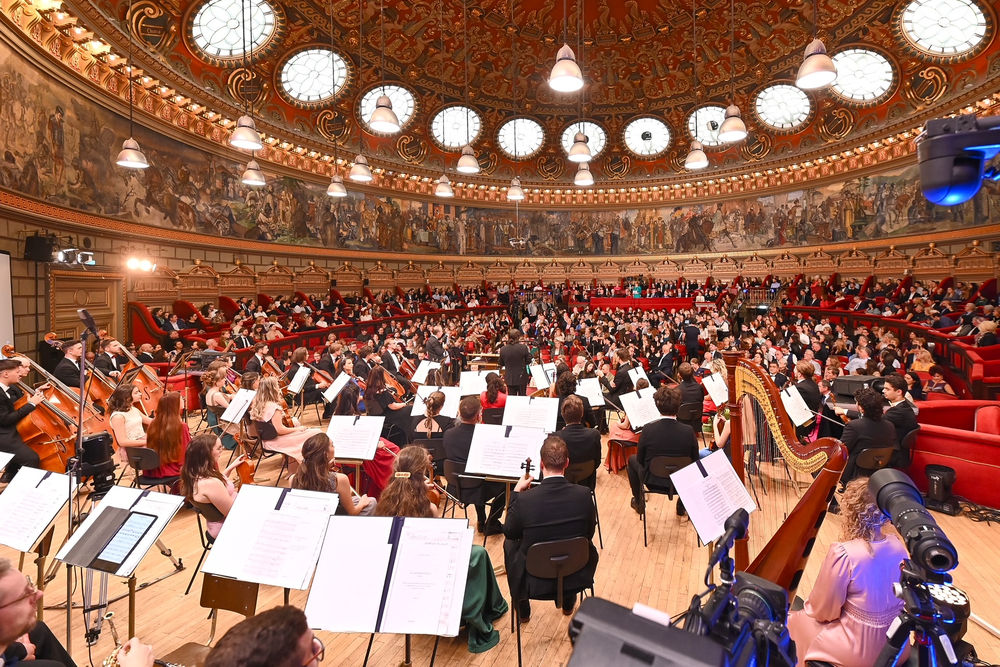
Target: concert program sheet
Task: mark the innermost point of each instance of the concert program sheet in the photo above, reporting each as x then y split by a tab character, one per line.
718	391
591	389
452	397
162	505
355	436
29	504
420	375
500	451
711	491
543	375
473	383
795	406
272	536
534	412
639	407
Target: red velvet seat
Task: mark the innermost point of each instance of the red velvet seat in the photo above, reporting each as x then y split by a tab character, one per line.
987	419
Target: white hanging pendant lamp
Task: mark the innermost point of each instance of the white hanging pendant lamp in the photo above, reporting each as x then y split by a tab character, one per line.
252	175
443	187
583	177
360	172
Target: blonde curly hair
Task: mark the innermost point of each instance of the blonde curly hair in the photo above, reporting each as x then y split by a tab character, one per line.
862	517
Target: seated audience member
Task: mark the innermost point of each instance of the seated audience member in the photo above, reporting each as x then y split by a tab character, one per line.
987	334
267	412
914	387
852	604
937	384
457	441
433	424
204	485
663	437
407	495
314	475
901	413
24	638
168	435
278	637
922	360
495	395
583	443
554	510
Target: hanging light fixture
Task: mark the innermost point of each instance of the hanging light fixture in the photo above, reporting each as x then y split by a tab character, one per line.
383	118
580	151
360	172
245	134
514	192
252	175
131	156
583	177
696	158
468	163
817	69
733	128
443	187
565	76
336	188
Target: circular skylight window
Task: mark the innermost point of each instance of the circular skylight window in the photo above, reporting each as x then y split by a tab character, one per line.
449	126
217	28
862	75
944	27
403	103
313	75
704	124
597	138
529	137
647	136
782	106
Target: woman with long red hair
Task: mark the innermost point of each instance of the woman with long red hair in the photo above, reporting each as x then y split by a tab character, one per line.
168	436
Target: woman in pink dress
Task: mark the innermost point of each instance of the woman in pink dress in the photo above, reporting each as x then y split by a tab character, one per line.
852	604
266	411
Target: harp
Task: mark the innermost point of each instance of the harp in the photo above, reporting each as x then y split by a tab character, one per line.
780	555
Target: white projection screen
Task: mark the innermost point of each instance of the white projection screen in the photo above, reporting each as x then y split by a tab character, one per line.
6	302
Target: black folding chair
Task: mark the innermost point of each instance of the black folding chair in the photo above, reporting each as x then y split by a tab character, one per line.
692	414
661	467
141	459
493	416
575	474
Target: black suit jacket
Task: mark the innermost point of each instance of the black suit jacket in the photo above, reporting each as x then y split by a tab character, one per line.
457	441
253	365
9	417
434	349
67	372
584	444
515	357
665	437
553	510
102	362
813	400
903	418
145	357
362	369
588	414
864	433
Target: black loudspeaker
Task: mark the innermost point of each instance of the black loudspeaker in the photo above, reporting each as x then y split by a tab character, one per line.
365	282
333	283
845	385
39	248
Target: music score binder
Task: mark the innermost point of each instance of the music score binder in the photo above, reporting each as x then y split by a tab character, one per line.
402	575
29	504
110	540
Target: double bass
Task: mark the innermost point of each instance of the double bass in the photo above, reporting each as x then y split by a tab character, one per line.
146	381
49	431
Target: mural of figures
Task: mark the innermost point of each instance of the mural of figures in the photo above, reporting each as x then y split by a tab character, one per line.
61	148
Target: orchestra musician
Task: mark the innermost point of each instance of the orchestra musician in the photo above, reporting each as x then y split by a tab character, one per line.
67	370
621	383
11	372
318	455
267	410
515	358
495	395
380	401
433	424
312	390
256	362
378	470
433	347
582	442
204	485
110	360
126	421
457	442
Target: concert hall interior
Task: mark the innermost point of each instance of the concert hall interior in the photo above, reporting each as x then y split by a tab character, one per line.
357	291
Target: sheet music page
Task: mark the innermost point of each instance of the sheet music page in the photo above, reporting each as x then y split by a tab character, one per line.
533	412
238	406
5	458
429	573
355	437
473	382
420	375
591	388
265	545
710	500
639	407
163	505
497	453
638	373
543	375
339	382
353	562
452	397
299	379
718	390
796	408
28	505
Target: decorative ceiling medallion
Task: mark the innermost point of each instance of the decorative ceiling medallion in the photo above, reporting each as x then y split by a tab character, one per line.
756	147
835	124
247	86
412	149
550	167
155	27
488	161
926	86
617	166
333	125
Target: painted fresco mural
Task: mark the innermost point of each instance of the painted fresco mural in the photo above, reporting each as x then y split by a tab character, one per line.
59	147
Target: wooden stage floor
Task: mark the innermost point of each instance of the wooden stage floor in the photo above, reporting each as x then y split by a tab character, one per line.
665	576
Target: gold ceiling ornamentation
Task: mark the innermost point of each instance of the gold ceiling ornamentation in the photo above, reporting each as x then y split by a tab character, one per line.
247	85
836	124
550	167
926	86
617	165
412	149
154	26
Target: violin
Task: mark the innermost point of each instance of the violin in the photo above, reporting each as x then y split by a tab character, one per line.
244	469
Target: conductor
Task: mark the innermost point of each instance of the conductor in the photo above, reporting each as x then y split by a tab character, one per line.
515	357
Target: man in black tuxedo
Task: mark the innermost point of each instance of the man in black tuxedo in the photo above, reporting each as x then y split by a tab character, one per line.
692	392
871	431
692	334
901	413
780	379
240	339
392	358
11	372
663	437
809	390
67	370
584	444
457	441
256	362
664	370
554	510
366	359
621	383
145	355
110	361
433	347
515	357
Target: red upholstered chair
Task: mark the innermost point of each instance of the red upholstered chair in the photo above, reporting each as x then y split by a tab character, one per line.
987	419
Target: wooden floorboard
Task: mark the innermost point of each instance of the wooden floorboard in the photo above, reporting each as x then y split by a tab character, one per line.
665	575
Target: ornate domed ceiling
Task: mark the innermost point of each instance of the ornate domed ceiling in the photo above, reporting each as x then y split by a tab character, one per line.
898	62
